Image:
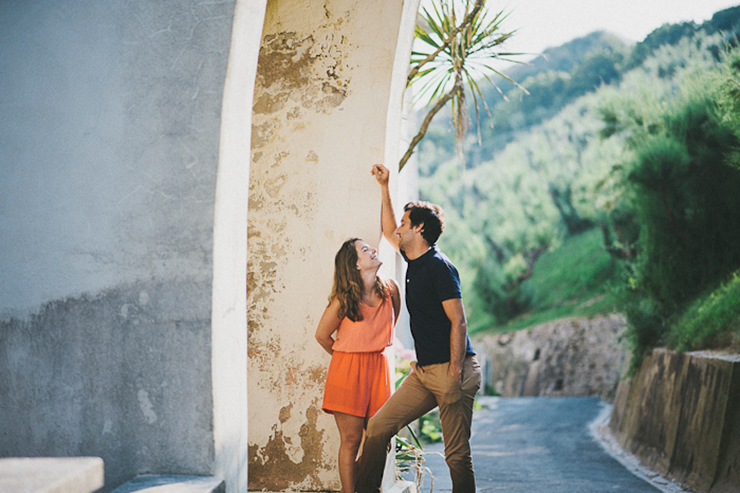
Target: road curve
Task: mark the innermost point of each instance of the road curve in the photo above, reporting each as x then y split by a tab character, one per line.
538	444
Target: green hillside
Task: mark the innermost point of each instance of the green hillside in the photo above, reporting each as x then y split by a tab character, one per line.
575	279
612	186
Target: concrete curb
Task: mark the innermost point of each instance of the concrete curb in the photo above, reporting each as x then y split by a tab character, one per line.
51	474
680	415
172	483
599	430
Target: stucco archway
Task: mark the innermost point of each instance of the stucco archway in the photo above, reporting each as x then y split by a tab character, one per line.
327	105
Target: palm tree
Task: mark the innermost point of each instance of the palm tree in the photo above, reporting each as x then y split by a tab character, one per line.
450	56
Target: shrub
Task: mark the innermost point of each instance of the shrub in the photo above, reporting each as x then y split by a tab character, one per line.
686	200
501	296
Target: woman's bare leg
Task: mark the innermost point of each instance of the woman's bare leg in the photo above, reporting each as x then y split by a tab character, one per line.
350	434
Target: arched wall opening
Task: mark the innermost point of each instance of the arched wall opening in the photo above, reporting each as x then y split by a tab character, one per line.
124	307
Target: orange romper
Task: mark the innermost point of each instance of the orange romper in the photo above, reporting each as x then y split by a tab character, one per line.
358	381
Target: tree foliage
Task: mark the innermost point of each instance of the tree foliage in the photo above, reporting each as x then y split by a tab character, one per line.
684	191
647	155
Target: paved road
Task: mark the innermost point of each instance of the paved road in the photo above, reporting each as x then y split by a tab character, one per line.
538	444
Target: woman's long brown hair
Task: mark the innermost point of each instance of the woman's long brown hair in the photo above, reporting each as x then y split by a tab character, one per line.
348	282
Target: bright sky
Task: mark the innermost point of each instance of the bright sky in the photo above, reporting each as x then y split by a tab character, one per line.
545	23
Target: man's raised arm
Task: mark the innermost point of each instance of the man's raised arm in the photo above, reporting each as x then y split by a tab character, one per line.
388	217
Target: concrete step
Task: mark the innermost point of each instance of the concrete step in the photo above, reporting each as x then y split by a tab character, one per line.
51	474
172	483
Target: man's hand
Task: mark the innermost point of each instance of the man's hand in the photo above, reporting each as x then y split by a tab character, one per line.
381	174
387	217
456	372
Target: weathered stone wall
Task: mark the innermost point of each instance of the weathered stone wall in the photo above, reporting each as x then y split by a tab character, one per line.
110	137
681	416
330	79
576	356
103	376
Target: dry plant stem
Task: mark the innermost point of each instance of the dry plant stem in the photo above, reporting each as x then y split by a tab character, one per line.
427	120
445	43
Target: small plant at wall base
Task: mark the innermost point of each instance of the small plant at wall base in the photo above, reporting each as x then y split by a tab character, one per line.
431	427
410	460
451	54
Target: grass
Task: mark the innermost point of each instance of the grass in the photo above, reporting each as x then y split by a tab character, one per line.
712	321
572	280
576	279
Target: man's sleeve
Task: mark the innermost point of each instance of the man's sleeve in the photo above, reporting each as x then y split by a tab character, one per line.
447	282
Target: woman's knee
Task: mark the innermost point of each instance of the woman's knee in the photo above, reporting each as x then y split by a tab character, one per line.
351	440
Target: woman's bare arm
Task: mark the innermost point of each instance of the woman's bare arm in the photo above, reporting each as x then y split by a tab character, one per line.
328	324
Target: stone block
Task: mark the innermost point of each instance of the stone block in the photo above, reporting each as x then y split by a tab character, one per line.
619	406
51	474
566	357
728	465
653	417
401	487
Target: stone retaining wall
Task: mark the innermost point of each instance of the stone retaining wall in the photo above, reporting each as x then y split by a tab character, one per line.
567	357
681	416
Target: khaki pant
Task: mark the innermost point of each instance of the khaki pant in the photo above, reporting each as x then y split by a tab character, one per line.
424	389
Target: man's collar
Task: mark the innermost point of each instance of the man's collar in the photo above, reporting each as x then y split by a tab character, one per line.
430	252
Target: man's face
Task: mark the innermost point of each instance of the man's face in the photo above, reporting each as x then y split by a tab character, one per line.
405	232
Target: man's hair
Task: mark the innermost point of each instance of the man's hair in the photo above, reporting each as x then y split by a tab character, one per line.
431	215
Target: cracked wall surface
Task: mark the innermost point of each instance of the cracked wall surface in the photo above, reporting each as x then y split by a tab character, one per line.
110	136
321	104
102	375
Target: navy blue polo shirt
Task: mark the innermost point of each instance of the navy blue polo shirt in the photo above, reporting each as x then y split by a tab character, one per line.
430	280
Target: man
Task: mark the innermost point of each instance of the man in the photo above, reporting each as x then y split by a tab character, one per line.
447	373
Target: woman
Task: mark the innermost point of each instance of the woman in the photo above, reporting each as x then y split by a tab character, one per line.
362	311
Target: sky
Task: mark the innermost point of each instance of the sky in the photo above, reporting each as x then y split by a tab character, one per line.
545	23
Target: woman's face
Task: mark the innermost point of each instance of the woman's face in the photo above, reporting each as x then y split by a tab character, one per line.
367	257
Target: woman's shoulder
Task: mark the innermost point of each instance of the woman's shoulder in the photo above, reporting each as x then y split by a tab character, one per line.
391	284
394	292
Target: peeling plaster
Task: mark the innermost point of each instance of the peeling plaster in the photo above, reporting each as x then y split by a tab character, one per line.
296	71
286	448
285	413
304	82
271	467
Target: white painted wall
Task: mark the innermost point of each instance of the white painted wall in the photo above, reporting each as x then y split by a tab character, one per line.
125	149
229	308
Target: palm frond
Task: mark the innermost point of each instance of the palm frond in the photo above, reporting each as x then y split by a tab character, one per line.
456	40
